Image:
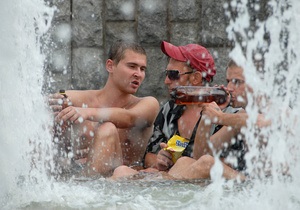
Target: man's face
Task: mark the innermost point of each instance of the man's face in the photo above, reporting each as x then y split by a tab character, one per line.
181	67
237	87
129	73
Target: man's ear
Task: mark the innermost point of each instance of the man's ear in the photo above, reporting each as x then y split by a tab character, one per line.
196	78
109	65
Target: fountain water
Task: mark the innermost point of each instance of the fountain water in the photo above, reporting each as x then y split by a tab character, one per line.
23	116
26	141
277	78
269	54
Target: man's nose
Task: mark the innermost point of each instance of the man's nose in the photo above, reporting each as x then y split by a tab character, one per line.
167	80
230	87
138	72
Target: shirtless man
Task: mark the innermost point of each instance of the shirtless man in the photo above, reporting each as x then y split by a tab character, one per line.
111	126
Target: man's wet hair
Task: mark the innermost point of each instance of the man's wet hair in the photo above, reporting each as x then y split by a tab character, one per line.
231	64
117	50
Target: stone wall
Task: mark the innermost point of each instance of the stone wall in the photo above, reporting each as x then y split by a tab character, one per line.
83	30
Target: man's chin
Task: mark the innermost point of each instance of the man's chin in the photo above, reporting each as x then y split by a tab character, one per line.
133	91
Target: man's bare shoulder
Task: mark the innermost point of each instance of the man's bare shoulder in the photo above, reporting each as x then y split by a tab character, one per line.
148	105
149	98
146	100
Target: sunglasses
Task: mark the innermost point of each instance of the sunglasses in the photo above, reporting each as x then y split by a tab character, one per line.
175	74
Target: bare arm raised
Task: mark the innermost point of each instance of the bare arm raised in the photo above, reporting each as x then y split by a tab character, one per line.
232	123
235	120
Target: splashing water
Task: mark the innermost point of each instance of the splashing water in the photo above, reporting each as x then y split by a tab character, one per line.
272	69
23	117
25	157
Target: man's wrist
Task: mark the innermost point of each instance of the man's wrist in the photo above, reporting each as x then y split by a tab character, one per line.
221	118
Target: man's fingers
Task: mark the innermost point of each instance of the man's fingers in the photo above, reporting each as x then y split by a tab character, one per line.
56	108
163	145
162	163
165	158
166	155
52	101
55	99
68	114
55	102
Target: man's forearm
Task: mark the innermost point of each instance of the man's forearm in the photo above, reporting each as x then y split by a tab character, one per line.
237	120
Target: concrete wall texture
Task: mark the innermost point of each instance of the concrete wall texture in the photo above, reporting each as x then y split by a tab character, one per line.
83	30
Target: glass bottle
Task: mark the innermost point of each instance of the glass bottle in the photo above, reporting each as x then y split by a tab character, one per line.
199	94
65	103
63	130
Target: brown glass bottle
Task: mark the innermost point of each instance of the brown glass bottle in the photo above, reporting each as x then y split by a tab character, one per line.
65	103
199	94
63	129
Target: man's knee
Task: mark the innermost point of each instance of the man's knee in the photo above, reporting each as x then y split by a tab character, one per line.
184	160
182	164
107	140
106	129
123	171
206	159
108	133
204	163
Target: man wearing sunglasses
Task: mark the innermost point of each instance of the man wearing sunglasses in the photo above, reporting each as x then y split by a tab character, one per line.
189	65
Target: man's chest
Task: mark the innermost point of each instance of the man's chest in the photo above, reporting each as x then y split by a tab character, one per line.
186	125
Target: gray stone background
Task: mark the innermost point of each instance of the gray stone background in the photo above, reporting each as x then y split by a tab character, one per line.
83	30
